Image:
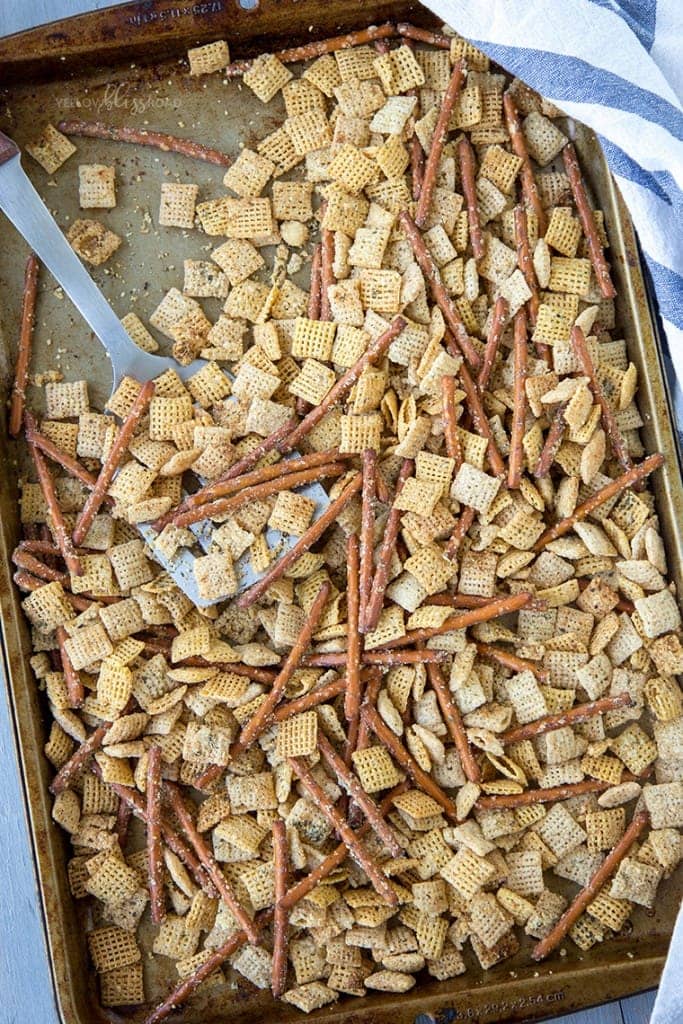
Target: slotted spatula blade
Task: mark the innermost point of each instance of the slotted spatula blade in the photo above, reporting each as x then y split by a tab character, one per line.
25	209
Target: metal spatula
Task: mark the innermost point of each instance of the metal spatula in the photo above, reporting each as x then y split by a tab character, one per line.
26	210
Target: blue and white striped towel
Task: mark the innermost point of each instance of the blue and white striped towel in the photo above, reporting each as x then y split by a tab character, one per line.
616	65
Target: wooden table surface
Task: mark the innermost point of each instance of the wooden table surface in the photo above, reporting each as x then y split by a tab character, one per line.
24	970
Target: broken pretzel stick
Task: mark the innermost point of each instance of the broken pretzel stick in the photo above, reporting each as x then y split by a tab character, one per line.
545	796
314	293
326	272
80	757
454	724
341	826
112	462
379	584
450	422
492	610
28	316
583	899
480	420
306	541
438	289
333	659
609	420
526	264
459	532
423	35
639	472
155	859
367	532
62	537
553	441
321	46
341	388
393	744
208	861
516	460
469	188
526	174
438	141
74	686
354	640
498	321
582	713
25	560
280	912
143	137
311	700
62	458
512	661
285	482
124	813
590	228
350	783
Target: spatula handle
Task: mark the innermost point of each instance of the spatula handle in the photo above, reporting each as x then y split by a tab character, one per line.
8	149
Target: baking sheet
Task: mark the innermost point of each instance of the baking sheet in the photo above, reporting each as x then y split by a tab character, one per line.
225	115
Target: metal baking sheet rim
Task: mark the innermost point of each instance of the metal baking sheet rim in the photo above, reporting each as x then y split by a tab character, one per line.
535	991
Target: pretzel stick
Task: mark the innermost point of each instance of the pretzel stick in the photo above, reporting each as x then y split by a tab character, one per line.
260	675
526	174
25	560
367	531
590	891
469	188
143	137
422	35
248	461
420	777
611	490
511	661
260	720
38	547
314	293
516	459
74	686
28	316
297	892
311	700
319	47
326	272
553	440
61	534
498	321
307	539
459	532
438	141
341	388
578	714
123	815
453	720
208	861
499	606
284	482
224	487
476	410
135	801
544	796
417	161
379	584
353	643
62	458
438	290
344	831
68	772
333	659
587	218
25	581
525	262
450	421
351	784
476	601
609	420
280	912
155	859
112	462
382	489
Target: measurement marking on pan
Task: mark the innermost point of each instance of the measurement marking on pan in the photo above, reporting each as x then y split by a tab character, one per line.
186	11
491	1011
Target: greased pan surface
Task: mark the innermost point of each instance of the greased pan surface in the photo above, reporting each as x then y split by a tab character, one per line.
92	67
